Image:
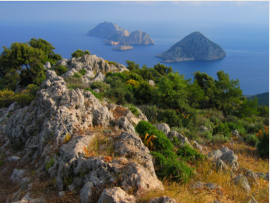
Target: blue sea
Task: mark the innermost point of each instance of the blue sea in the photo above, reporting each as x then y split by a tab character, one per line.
247	46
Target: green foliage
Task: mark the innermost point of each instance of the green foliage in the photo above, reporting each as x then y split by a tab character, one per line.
133	76
162	69
189	154
170	117
79	53
263	111
222	128
60	69
161	142
251	139
73	83
169	167
132	66
144	93
82	72
49	164
24	99
218	138
247	108
94	93
133	83
32	89
133	109
77	75
263	146
120	75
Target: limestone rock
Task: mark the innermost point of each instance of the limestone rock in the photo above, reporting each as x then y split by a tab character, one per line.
242	182
196	145
180	137
163	127
215	155
164	199
151	82
47	65
17	175
86	192
116	195
221	166
102	116
124	124
98	77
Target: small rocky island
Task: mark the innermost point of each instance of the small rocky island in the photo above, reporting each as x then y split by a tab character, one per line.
116	35
195	46
123	47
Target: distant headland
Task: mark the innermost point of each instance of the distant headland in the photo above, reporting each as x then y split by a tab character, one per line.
116	35
195	46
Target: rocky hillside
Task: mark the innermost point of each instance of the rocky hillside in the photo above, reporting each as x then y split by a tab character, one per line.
116	35
195	46
69	146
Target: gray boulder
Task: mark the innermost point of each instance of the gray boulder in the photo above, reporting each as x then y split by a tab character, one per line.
242	181
163	127
102	116
164	199
116	195
124	124
17	175
47	65
215	155
86	192
99	77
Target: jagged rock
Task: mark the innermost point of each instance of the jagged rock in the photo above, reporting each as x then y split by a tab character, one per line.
215	155
124	124
69	73
203	129
86	192
224	150
62	62
102	116
96	90
236	133
221	166
180	137
230	158
13	159
250	175
116	195
163	127
242	181
99	77
196	145
164	199
151	82
50	74
17	175
47	65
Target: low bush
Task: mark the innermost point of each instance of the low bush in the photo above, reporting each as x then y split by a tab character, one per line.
94	93
161	142
187	153
222	128
251	139
77	75
170	117
169	167
101	86
59	70
82	72
218	138
263	145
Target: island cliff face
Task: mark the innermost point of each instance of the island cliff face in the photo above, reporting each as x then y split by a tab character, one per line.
116	35
195	46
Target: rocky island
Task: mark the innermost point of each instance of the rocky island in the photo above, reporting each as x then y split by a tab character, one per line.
116	35
123	47
195	46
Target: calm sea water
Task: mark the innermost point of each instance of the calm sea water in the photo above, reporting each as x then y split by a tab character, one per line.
247	47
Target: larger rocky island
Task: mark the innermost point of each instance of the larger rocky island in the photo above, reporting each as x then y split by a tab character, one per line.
116	35
195	46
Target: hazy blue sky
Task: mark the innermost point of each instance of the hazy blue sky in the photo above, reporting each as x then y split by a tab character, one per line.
210	12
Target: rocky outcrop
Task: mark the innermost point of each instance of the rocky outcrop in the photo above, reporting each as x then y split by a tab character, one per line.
163	127
107	30
123	47
195	46
116	35
116	195
138	37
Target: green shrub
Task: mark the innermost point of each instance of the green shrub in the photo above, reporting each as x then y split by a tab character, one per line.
77	75
32	89
59	70
251	139
161	142
79	53
49	164
24	99
189	154
119	75
169	167
94	93
101	86
263	146
73	83
82	72
133	109
219	139
222	128
170	117
186	132
7	97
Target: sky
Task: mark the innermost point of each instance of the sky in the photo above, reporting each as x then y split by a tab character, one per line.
254	12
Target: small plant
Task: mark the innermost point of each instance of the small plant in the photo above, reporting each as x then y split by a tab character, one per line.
68	181
34	172
49	164
147	140
77	75
82	72
251	139
60	69
94	93
133	109
67	138
189	154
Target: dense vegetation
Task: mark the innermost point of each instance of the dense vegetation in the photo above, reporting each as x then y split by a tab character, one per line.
182	104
